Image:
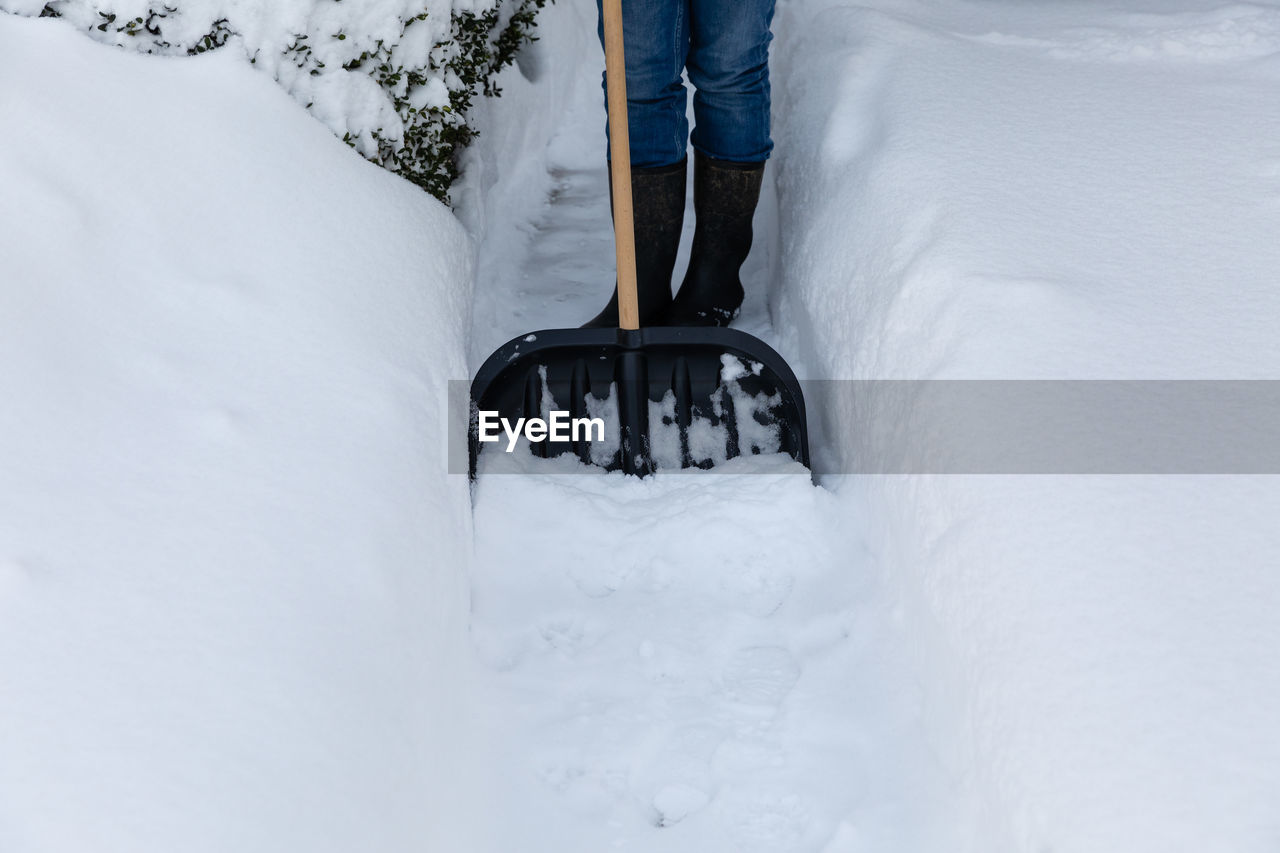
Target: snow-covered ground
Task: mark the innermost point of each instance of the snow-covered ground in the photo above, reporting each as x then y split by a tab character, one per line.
961	191
234	573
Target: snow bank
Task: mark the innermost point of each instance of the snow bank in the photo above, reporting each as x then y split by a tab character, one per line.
979	190
232	606
394	78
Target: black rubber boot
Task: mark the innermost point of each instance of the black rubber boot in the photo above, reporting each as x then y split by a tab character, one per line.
724	200
657	197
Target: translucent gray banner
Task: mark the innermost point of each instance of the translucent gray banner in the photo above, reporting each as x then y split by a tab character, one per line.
1023	426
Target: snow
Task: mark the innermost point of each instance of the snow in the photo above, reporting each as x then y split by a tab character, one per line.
232	568
305	45
1062	201
243	605
658	685
965	191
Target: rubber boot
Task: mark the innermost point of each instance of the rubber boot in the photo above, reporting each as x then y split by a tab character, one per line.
724	200
657	197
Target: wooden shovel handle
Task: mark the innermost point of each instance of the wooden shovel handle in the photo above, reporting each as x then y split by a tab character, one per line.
624	232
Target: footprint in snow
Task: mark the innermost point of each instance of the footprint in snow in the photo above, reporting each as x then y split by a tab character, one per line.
760	676
759	592
676	802
567	634
600	578
763	823
675	775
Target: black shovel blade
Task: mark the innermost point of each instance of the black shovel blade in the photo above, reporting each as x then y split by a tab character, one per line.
674	397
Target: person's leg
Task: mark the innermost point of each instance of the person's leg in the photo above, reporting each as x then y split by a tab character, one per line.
656	38
657	201
729	67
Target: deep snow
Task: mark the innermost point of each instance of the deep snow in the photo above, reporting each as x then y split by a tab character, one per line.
232	568
234	572
1057	191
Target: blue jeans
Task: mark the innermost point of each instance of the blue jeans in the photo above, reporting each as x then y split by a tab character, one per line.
724	44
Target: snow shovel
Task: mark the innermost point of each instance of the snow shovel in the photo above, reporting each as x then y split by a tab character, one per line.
634	399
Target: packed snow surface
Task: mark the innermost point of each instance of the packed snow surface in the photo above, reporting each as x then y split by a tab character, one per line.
243	605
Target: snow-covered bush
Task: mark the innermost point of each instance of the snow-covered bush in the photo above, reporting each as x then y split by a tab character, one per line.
393	78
